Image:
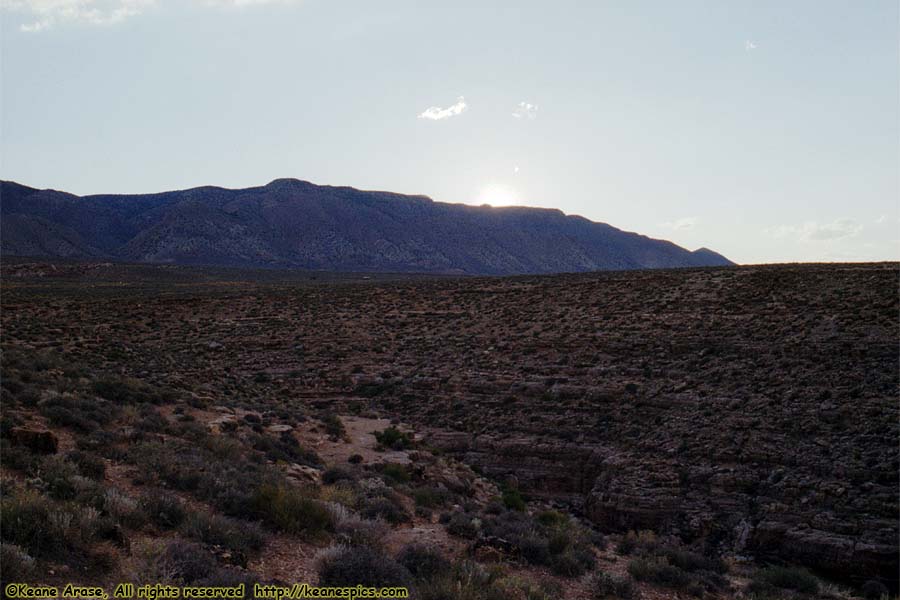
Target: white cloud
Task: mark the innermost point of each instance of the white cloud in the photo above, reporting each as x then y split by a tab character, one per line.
525	110
44	14
436	113
681	224
811	231
750	45
246	2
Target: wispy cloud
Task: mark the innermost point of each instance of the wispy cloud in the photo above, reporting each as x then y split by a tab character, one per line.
681	224
41	15
246	2
750	45
44	14
436	113
812	231
525	110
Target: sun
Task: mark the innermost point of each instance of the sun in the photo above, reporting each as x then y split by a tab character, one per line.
498	195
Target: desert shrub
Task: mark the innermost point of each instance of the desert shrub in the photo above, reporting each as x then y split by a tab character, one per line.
355	459
163	510
176	465
659	572
229	483
284	448
89	465
100	442
286	509
237	536
430	496
389	507
874	590
59	475
464	525
603	585
350	566
564	545
19	458
423	562
769	579
123	508
571	562
643	542
343	492
469	581
394	438
128	391
394	472
692	561
512	499
335	474
26	522
551	518
15	564
150	420
65	416
187	562
334	427
598	539
354	531
47	529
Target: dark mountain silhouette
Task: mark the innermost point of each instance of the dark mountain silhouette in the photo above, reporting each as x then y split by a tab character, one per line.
296	224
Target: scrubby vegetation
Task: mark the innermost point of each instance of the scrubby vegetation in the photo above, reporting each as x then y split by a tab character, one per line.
164	446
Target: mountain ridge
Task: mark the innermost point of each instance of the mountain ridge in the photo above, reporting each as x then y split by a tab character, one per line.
291	223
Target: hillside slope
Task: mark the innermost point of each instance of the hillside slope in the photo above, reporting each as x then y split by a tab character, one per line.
296	224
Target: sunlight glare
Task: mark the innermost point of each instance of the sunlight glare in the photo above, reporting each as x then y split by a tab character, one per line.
499	195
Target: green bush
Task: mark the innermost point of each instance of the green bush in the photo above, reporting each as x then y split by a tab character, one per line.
693	562
15	564
394	438
643	542
572	562
360	566
463	525
89	465
424	562
334	474
163	510
286	509
395	472
355	531
430	496
47	529
284	448
470	581
126	391
59	475
659	572
389	507
238	536
334	427
551	518
783	578
513	500
603	585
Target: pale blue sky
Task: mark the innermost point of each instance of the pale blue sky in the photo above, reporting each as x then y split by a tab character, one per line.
766	130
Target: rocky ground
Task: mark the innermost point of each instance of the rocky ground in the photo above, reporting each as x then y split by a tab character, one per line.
745	416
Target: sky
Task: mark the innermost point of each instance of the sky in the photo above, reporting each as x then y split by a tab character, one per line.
764	129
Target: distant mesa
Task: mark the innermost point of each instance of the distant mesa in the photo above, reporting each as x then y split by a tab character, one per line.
299	225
